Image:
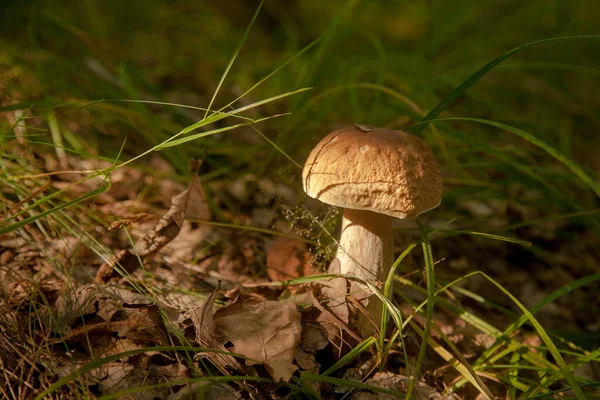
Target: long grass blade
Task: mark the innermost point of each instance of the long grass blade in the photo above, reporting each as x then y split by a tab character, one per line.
233	57
466	371
387	292
213	118
562	365
289	61
45	213
575	169
307	376
355	352
430	276
182	140
279	149
486	235
98	363
452	96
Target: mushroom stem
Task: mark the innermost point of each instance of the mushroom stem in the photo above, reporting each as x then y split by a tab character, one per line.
366	247
365	250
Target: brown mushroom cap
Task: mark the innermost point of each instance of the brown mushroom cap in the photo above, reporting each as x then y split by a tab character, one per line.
380	170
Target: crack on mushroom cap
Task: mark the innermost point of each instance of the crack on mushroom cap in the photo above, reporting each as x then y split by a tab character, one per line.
397	176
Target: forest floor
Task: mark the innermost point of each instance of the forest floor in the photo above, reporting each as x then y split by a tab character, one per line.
137	263
145	317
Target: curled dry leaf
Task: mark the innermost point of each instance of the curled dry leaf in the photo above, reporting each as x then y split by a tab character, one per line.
124	313
189	204
266	333
313	339
124	260
128	221
209	337
85	300
288	259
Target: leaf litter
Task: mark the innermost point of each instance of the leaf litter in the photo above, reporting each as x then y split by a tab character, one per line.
174	281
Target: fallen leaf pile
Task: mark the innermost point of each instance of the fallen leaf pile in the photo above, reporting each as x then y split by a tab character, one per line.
141	287
265	333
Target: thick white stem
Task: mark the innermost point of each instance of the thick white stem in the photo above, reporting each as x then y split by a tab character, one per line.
366	250
366	247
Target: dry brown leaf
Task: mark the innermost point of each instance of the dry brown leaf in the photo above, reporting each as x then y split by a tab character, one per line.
184	246
127	262
267	333
313	337
85	300
306	361
288	259
118	375
128	221
207	336
140	323
189	204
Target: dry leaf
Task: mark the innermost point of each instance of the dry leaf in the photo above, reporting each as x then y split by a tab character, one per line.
189	204
207	336
313	337
125	259
128	221
85	300
267	333
306	361
288	259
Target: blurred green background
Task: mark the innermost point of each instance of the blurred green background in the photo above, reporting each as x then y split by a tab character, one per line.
384	63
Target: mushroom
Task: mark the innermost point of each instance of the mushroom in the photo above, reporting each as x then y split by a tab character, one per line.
376	175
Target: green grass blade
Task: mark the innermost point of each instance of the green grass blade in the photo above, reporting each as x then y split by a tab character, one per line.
165	103
213	118
105	186
263	80
199	393
562	365
307	376
220	115
256	229
486	235
387	288
355	352
550	298
452	96
556	217
279	149
98	363
430	276
182	140
575	169
233	57
457	361
501	155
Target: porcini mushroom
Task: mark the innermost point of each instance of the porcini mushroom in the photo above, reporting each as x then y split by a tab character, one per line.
376	175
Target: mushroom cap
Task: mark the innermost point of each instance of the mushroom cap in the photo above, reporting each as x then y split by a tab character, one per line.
375	169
